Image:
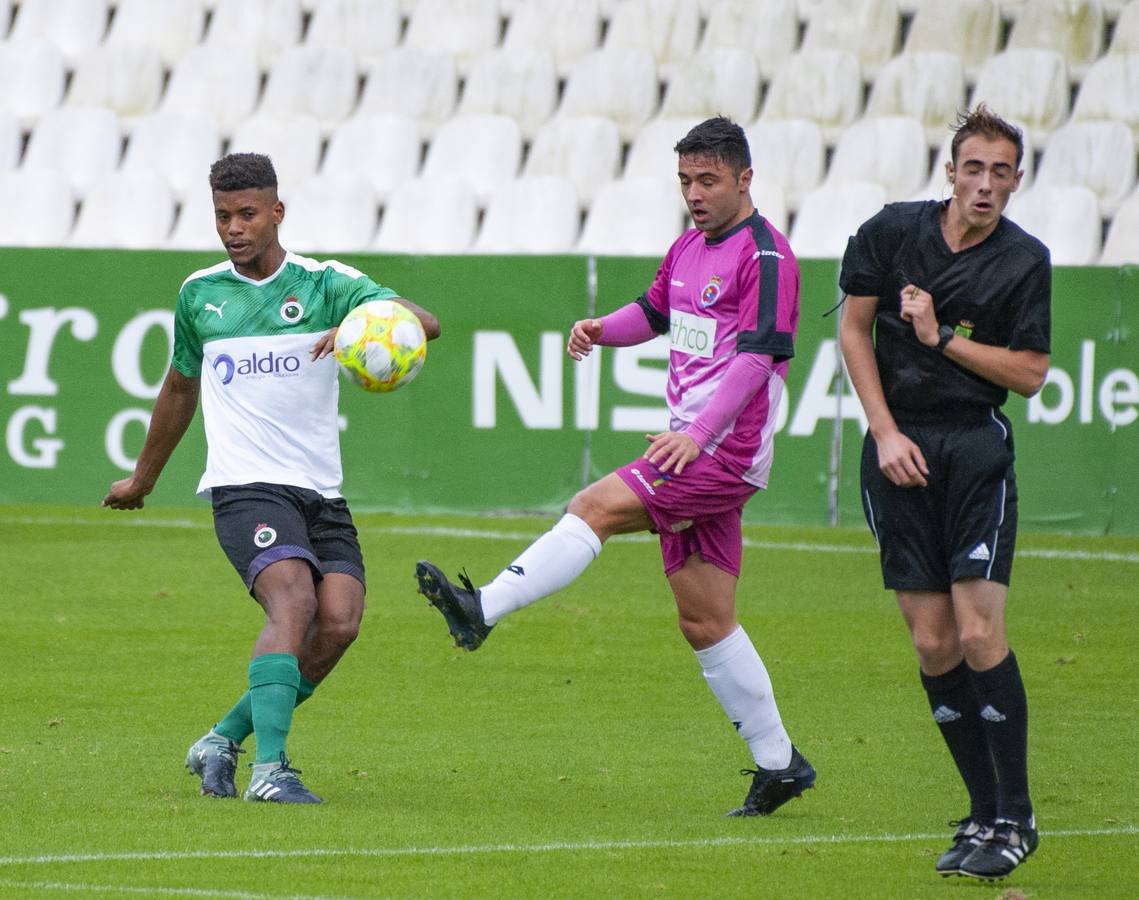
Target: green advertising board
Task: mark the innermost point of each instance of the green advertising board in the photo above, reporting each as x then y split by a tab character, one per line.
501	419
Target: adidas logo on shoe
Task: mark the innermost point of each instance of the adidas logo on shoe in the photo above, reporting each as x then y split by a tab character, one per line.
944	714
981	551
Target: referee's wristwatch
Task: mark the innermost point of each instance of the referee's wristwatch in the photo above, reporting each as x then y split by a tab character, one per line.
944	334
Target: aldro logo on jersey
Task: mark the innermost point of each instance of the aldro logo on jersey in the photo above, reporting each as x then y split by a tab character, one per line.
292	311
258	366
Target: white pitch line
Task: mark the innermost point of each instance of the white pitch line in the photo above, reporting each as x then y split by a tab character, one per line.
550	847
492	535
85	888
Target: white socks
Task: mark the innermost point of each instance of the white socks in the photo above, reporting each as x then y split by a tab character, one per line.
738	678
547	565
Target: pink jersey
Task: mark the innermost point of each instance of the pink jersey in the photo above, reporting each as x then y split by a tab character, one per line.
738	293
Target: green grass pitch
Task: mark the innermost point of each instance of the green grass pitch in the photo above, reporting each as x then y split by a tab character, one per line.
577	754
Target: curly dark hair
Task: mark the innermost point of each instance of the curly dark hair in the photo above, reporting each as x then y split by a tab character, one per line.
988	124
720	138
241	171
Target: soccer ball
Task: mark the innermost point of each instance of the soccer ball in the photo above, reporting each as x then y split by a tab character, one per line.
380	345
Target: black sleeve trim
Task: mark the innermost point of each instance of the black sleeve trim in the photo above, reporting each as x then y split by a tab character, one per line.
767	338
657	322
776	343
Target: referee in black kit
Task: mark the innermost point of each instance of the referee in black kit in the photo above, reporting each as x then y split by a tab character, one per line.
947	309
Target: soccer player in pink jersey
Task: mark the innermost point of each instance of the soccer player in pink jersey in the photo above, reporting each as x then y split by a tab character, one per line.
727	295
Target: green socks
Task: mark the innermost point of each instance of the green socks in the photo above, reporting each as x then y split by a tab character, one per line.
237	724
274	680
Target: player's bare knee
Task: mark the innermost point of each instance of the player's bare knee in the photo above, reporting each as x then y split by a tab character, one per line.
937	652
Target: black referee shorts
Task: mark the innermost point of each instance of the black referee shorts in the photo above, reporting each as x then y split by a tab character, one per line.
259	524
962	524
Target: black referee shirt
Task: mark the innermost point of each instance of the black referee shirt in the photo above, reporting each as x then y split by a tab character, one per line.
997	292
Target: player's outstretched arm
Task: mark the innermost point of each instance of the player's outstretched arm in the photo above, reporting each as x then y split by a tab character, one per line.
584	334
173	411
427	320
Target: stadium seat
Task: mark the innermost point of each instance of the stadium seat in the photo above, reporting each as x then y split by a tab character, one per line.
830	214
484	150
767	28
889	150
265	27
824	86
172	27
180	146
584	149
39	208
787	152
771	201
214	81
929	86
335	213
868	29
969	28
535	214
466	28
632	217
722	83
651	154
519	83
1121	248
1125	35
11	141
422	84
369	28
1110	90
74	27
127	80
1064	217
293	144
666	29
619	84
1030	86
131	210
195	228
32	76
320	82
429	215
1073	28
386	149
1097	155
84	143
567	30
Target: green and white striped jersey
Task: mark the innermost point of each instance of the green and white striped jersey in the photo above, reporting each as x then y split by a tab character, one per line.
270	411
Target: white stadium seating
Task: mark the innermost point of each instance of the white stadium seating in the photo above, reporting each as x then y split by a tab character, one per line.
39	208
130	210
581	102
1064	217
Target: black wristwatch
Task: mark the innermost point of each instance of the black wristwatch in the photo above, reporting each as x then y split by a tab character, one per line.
944	333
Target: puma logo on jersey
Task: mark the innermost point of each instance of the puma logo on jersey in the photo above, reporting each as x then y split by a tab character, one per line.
218	309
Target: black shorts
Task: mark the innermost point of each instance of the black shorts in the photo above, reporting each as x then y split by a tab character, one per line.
962	524
258	524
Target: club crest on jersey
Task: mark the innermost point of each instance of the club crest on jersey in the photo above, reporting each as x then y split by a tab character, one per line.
264	535
292	310
711	292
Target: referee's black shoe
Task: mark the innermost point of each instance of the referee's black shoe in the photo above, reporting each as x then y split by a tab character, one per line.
461	607
771	788
1007	846
969	836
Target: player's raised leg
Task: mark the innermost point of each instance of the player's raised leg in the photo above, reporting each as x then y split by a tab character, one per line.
605	508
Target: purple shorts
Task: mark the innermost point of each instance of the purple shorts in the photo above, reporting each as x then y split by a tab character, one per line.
697	512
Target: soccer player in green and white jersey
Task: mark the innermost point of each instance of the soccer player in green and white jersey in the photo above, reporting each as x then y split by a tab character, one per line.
253	337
